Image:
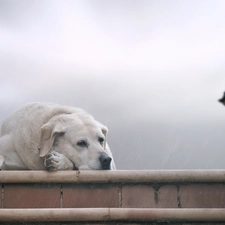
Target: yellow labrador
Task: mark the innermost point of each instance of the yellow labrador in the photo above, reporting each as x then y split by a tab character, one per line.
42	136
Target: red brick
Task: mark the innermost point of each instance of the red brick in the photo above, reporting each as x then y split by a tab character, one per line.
31	196
136	196
202	196
90	196
167	197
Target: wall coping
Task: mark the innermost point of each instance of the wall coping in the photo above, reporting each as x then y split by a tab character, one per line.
112	214
118	176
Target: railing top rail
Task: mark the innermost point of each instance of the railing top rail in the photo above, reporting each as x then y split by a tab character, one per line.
118	176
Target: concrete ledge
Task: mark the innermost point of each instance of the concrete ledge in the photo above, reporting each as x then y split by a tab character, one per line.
123	176
112	214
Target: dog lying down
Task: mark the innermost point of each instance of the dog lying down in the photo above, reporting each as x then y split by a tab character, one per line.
44	136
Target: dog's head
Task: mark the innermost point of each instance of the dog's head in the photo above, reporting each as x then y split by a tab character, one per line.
80	138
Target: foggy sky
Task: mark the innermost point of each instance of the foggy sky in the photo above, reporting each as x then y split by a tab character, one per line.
152	71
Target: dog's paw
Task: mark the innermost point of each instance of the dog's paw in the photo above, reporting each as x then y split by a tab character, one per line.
56	161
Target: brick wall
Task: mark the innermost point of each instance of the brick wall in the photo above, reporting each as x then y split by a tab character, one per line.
112	196
114	189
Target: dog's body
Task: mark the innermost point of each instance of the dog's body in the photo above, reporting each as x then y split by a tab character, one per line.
42	136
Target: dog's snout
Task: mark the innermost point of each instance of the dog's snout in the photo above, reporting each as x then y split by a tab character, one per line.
105	161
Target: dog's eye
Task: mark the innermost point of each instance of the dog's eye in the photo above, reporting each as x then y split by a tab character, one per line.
82	143
101	140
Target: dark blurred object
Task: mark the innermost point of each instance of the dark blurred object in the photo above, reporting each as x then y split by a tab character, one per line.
222	100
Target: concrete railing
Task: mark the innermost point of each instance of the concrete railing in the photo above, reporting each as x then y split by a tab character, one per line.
113	197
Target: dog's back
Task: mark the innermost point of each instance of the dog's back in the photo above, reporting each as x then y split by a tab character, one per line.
33	113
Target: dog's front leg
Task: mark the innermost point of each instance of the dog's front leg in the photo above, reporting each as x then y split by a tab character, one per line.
56	161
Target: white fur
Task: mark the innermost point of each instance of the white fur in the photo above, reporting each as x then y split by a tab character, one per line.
42	136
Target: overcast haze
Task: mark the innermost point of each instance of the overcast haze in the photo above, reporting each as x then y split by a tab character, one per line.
152	71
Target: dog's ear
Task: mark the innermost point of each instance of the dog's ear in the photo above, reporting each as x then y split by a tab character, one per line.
49	132
104	131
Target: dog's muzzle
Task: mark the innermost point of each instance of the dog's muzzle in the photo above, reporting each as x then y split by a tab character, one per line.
105	161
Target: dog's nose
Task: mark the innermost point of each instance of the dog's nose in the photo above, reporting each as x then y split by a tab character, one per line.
105	161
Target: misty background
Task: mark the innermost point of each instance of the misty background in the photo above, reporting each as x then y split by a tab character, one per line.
152	71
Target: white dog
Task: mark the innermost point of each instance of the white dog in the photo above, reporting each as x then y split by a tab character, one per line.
42	136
